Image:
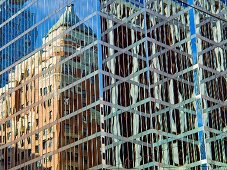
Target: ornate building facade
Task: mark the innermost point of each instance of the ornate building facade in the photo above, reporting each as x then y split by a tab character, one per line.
35	129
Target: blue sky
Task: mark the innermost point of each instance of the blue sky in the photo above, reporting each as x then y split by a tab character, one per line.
43	8
83	8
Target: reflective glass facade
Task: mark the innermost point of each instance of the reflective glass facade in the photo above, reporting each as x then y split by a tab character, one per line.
113	84
11	27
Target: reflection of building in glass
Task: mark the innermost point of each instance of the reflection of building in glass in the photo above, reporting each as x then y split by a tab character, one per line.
163	85
147	90
44	118
11	29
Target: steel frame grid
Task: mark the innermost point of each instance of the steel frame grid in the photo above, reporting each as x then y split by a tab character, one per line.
147	125
197	110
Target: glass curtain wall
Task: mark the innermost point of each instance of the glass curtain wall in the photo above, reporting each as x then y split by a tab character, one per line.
50	105
164	66
113	84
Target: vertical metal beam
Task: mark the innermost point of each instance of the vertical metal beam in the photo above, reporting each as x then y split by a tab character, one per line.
148	68
146	42
100	69
99	33
199	112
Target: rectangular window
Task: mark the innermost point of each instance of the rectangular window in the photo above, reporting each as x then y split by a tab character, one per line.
29	125
67	128
70	69
49	102
50	88
37	149
85	147
43	69
66	69
44	144
27	87
44	90
85	132
9	123
93	99
50	142
36	136
28	72
92	80
9	135
50	158
50	115
29	152
29	140
22	155
84	93
76	156
50	69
